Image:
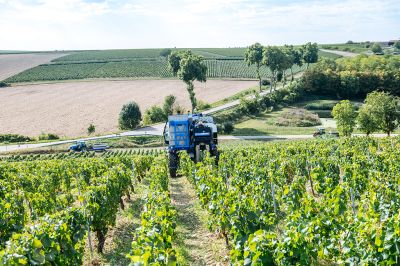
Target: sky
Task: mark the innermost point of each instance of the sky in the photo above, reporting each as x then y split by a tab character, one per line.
120	24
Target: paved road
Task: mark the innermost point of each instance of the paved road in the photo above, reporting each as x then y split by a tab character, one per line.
151	130
342	53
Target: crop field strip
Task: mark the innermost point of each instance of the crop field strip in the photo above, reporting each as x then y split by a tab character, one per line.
138	63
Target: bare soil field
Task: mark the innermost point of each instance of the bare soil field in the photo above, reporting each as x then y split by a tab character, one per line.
67	109
11	64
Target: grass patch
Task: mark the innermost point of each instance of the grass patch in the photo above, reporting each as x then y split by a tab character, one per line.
265	124
347	47
328	55
194	243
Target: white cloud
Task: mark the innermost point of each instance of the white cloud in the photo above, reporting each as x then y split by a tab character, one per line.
89	24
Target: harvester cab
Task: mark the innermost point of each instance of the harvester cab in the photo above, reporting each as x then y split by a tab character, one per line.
193	133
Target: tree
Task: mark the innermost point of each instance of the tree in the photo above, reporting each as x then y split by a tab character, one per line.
188	67
130	116
277	62
168	106
165	52
366	121
91	129
310	53
376	48
174	62
384	110
254	56
295	58
345	117
397	45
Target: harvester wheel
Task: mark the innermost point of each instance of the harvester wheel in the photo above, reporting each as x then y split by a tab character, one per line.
173	164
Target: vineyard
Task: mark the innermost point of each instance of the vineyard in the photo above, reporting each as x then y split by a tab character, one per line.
132	69
49	208
305	203
139	63
326	202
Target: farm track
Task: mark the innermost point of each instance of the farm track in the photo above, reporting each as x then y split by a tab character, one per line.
197	245
341	53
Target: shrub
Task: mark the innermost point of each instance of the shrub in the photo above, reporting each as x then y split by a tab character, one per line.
227	127
201	105
3	84
297	117
323	113
168	106
320	106
130	116
49	136
178	109
154	115
265	82
376	48
165	52
250	106
91	129
12	138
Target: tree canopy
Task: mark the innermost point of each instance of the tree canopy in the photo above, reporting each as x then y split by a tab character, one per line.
130	116
384	111
376	48
345	116
310	53
277	61
188	67
254	56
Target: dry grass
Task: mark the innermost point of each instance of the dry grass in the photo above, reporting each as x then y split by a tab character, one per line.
11	64
67	109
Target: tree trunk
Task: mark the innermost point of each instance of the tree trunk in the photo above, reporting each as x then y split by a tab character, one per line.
192	95
121	203
101	239
259	77
291	72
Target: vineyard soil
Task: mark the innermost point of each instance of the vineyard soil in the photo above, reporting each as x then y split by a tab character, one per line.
11	64
67	109
199	246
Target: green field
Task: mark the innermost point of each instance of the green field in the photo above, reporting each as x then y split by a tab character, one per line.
354	47
139	63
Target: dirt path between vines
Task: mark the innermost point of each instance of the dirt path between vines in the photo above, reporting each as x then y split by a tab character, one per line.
197	245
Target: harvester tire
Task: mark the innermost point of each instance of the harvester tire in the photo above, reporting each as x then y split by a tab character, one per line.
173	164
